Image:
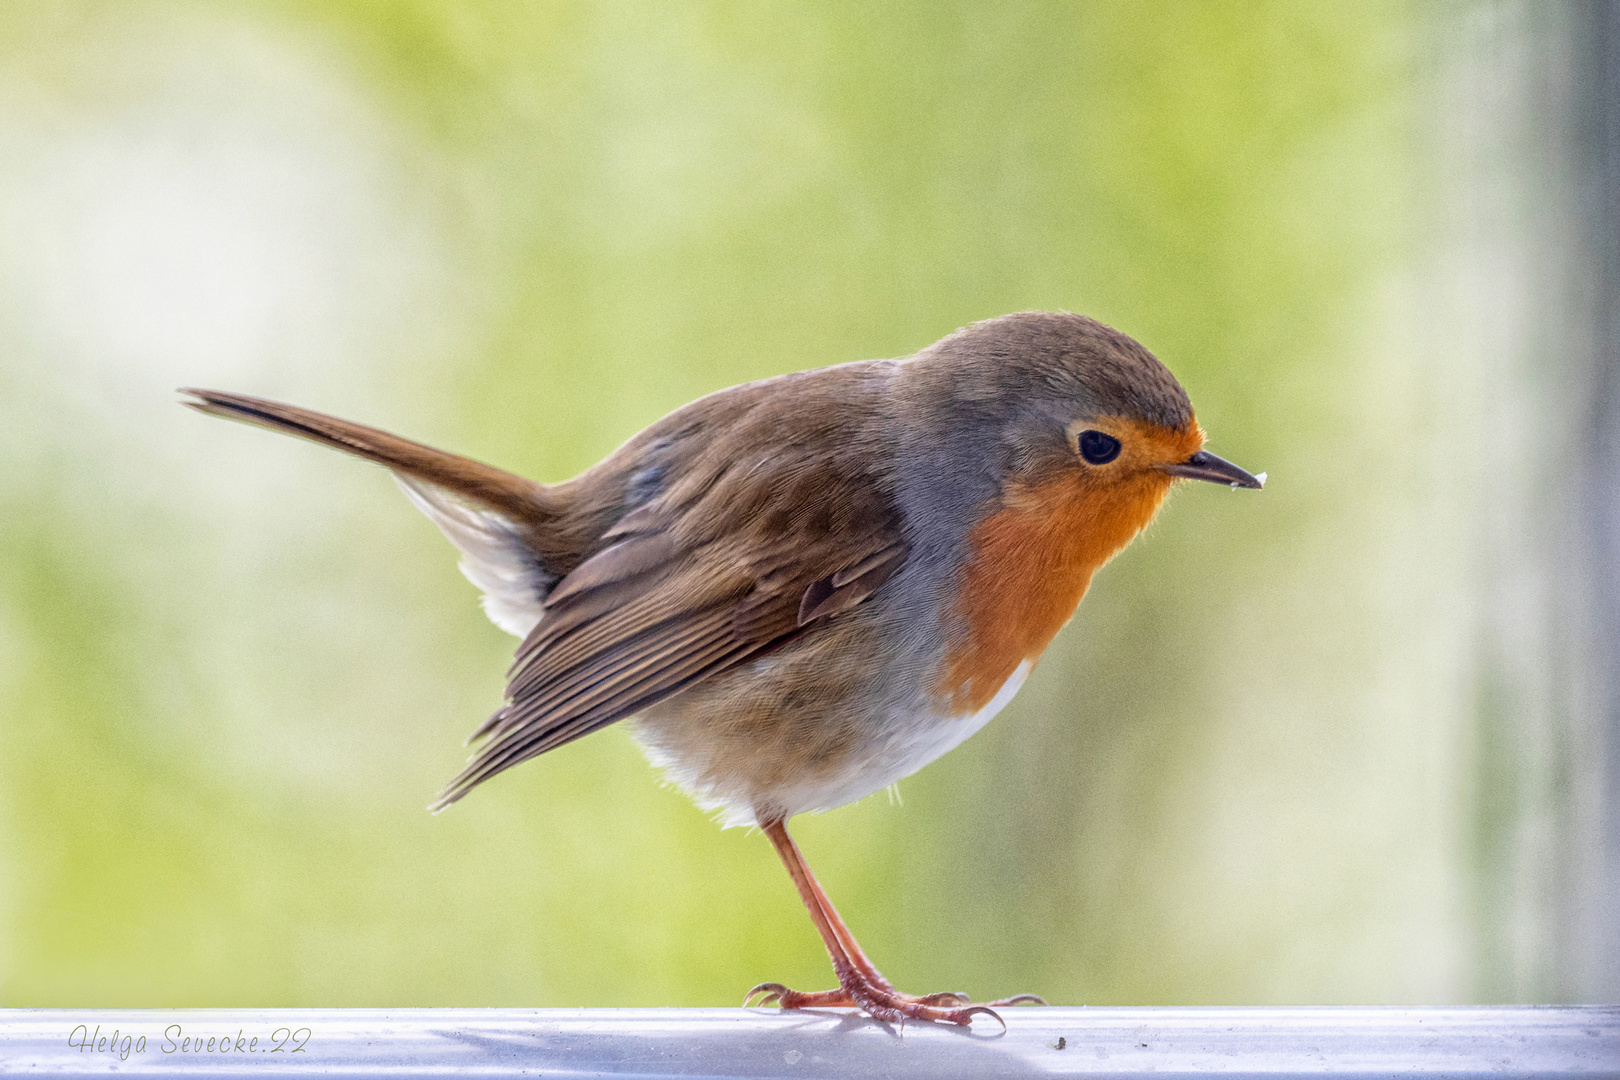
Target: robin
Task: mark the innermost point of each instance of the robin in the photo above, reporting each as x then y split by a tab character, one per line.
805	588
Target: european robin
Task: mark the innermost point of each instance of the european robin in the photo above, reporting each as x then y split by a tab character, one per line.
805	588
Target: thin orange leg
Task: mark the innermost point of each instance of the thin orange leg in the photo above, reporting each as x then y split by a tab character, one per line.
861	985
793	857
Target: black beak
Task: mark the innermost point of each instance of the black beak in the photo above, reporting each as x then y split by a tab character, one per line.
1206	466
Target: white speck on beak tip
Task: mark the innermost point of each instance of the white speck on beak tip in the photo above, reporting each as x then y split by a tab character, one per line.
1258	476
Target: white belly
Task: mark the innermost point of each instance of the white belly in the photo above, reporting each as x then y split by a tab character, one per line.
909	743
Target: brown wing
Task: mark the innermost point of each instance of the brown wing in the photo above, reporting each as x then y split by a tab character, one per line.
751	544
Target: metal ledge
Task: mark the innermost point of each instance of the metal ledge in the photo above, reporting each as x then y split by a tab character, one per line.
1168	1042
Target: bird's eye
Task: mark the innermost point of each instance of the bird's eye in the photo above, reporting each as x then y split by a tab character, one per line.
1097	448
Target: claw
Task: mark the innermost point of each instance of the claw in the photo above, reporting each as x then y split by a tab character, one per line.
1021	999
965	1016
772	992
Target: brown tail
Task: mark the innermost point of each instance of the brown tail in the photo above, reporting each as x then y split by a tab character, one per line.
523	501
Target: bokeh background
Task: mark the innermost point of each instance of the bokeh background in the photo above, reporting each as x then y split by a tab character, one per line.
1353	739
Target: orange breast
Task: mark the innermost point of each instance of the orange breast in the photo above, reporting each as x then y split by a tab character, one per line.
1029	566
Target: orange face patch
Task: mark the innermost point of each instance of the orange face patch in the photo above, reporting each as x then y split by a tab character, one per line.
1031	560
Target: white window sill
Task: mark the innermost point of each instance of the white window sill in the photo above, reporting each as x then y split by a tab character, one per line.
1276	1043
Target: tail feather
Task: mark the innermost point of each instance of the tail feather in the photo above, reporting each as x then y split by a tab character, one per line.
522	501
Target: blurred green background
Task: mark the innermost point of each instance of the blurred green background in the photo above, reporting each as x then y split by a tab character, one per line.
1329	743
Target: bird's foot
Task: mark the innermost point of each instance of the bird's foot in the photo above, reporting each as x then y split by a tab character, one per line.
875	997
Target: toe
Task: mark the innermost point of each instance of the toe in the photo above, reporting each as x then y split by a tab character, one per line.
948	997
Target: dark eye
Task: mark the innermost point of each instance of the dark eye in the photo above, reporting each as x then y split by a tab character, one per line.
1097	448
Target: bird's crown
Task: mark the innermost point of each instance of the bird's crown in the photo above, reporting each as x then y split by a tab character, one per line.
1029	357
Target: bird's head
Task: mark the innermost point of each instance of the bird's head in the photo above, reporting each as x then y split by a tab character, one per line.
1070	427
1053	439
1058	397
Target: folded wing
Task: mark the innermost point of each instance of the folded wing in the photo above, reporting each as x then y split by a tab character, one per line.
738	554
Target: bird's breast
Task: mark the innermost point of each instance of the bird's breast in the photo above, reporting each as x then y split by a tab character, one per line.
1027	567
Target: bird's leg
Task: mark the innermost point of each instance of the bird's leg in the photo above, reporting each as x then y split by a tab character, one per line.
846	938
861	985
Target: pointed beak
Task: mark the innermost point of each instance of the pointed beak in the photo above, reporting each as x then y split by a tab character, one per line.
1206	466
